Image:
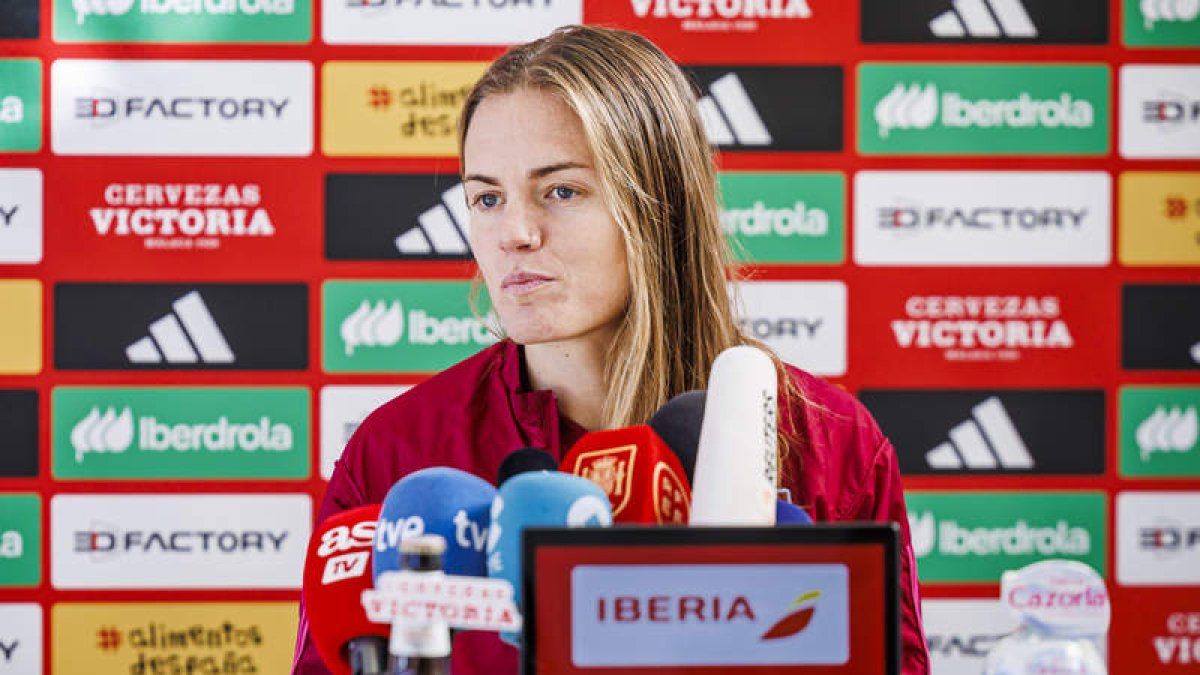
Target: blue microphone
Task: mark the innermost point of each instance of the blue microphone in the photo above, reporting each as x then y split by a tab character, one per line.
538	499
787	513
438	500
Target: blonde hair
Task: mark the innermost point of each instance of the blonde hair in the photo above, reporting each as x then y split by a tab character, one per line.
643	127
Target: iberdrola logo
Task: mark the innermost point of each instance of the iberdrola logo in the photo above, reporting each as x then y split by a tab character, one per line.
799	615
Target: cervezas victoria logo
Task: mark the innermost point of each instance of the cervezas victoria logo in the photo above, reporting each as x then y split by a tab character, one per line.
177	216
721	15
982	328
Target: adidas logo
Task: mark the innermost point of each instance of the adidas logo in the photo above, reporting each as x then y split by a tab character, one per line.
1162	431
108	432
380	325
1154	11
187	335
441	229
912	107
988	441
984	19
729	116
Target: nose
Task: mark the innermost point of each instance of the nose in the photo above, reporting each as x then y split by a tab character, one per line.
521	227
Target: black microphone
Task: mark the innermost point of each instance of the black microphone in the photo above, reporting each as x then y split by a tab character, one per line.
524	461
678	423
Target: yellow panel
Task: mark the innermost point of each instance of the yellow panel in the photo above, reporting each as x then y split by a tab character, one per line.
175	637
394	109
20	327
1160	218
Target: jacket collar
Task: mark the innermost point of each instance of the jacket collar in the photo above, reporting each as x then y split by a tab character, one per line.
536	412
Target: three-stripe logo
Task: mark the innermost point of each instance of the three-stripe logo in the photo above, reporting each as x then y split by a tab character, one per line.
987	441
984	19
730	117
441	229
189	334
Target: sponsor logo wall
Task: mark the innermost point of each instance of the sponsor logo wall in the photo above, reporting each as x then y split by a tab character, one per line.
230	229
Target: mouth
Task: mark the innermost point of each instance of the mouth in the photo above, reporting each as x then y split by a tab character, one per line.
519	283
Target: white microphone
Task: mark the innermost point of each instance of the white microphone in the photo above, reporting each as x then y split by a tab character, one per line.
737	465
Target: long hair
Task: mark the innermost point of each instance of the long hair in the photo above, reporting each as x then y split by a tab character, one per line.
657	172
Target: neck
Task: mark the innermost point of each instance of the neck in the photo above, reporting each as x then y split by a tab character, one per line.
574	371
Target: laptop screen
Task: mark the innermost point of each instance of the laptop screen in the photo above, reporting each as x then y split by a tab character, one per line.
811	600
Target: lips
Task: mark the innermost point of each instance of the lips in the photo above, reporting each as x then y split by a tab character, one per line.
524	282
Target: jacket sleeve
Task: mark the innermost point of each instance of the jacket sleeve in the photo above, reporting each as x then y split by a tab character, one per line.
341	494
882	500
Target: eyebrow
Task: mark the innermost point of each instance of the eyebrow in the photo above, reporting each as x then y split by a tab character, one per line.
539	172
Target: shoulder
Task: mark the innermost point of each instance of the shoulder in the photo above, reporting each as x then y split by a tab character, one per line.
432	423
841	449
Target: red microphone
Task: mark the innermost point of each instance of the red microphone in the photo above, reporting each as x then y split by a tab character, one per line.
641	475
337	570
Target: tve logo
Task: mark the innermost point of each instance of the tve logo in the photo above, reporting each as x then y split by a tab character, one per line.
960	633
771	108
21	638
20	103
191	21
20	540
395	217
400	326
985	22
985	431
405	109
21	339
20	19
204	432
1160	112
19	429
182	107
731	31
976	536
129	637
803	321
1160	431
1158	538
1160	218
936	109
173	541
632	616
20	216
982	218
198	326
784	217
1160	327
343	408
497	22
1162	23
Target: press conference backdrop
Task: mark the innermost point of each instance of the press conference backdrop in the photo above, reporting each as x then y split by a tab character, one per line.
230	228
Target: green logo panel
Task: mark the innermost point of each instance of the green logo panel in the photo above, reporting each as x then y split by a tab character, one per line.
183	21
1162	23
20	105
20	540
1159	431
400	326
201	432
977	536
784	217
927	109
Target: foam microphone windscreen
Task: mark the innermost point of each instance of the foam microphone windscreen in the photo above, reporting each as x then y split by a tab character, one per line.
524	461
337	569
442	501
787	513
678	422
538	499
642	477
737	460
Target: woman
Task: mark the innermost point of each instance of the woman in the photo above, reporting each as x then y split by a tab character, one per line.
594	222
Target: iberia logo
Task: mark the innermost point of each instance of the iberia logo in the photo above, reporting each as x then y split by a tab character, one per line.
800	614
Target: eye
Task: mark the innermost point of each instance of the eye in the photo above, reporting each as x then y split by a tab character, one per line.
486	200
563	192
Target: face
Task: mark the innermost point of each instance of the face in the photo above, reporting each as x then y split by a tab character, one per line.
551	255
